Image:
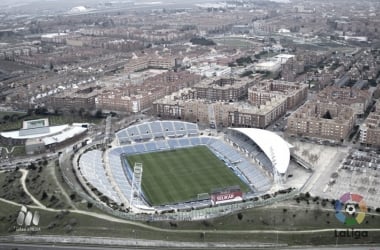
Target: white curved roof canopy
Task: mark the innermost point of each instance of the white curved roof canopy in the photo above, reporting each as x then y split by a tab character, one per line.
273	146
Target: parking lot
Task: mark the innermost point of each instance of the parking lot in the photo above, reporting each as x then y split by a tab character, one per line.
360	160
358	173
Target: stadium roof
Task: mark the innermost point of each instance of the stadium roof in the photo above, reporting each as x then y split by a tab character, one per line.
52	130
64	135
273	146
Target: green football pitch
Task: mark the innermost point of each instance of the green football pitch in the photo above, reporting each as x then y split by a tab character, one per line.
181	174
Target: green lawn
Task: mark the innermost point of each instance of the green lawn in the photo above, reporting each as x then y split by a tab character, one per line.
181	174
235	42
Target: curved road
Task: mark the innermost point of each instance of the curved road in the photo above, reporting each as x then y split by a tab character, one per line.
61	239
23	178
139	224
142	225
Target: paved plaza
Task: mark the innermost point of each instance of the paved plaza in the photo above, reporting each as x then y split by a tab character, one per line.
336	171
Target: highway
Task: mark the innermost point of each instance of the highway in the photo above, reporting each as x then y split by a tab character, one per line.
8	246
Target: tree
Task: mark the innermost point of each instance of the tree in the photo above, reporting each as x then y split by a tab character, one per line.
30	112
173	224
44	195
240	216
41	111
81	112
73	110
99	113
246	73
324	203
6	117
202	235
327	115
202	41
57	111
305	152
72	196
244	60
53	198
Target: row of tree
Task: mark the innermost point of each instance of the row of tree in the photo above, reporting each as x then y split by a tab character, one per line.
202	41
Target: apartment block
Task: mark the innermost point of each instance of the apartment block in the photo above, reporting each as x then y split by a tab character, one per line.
223	89
75	99
141	63
246	115
357	99
322	120
370	130
134	98
219	113
264	91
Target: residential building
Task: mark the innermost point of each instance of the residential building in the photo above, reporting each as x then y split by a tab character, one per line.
355	98
75	99
263	91
223	89
141	63
134	98
370	129
322	120
181	105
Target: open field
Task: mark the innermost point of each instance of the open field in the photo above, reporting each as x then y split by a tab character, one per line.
247	226
235	42
181	174
42	183
11	188
255	225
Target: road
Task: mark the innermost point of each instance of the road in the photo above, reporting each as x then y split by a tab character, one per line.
8	246
23	178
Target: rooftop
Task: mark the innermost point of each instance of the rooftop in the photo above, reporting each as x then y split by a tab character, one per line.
274	146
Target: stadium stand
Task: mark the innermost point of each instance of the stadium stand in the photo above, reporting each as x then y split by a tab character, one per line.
117	171
167	135
92	169
243	143
157	129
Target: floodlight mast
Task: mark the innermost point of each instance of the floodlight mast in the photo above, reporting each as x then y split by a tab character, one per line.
136	183
276	175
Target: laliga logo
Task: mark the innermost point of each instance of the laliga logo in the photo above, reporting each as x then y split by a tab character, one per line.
346	212
347	203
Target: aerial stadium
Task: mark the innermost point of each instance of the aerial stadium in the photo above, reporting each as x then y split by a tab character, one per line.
161	166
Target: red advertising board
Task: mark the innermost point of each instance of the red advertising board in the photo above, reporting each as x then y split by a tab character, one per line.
226	196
